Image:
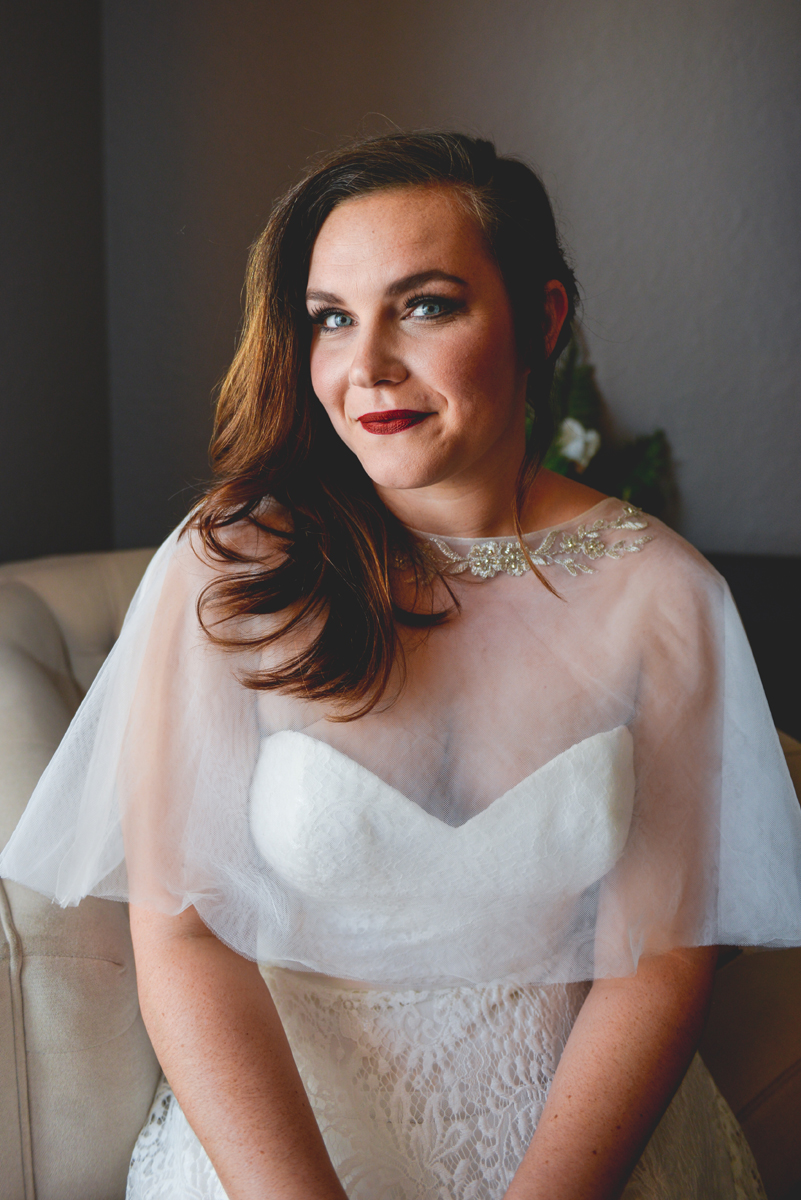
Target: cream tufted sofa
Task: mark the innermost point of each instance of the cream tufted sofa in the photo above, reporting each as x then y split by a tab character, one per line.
77	1072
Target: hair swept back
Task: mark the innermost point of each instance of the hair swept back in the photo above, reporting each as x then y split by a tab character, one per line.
332	579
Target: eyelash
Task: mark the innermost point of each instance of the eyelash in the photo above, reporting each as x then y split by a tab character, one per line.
444	302
319	315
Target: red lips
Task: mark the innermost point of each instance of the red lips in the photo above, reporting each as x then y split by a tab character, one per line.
393	420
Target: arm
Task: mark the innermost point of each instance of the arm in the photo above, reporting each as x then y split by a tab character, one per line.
625	1057
220	1041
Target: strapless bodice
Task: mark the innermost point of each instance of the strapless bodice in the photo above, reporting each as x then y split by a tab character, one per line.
378	879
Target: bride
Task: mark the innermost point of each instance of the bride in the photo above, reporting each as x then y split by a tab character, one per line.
434	779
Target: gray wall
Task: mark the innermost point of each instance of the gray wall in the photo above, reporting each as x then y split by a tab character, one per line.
211	108
54	435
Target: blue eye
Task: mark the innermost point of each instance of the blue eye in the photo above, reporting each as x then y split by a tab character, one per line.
428	308
336	320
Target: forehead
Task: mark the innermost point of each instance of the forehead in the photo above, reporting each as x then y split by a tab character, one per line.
399	231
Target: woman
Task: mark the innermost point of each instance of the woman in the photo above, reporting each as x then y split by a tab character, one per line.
479	801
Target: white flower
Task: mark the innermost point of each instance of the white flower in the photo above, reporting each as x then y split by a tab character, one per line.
577	443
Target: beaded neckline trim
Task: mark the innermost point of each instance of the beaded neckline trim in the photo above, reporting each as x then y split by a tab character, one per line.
488	558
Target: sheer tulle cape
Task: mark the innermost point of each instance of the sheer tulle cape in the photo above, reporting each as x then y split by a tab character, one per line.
643	801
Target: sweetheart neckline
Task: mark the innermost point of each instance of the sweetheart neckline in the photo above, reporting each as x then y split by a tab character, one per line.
341	757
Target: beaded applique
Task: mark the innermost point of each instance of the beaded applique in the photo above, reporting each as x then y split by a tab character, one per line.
489	558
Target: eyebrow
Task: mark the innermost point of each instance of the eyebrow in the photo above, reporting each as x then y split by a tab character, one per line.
407	284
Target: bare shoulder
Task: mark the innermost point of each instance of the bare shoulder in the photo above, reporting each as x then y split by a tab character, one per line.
553	500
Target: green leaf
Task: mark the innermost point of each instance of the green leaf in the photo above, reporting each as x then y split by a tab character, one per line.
637	470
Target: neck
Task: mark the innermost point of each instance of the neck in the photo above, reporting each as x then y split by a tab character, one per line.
455	512
477	502
482	512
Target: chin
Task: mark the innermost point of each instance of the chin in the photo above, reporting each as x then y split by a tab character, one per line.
403	477
394	482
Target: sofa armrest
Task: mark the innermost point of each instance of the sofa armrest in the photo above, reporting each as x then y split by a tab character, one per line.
75	1045
77	1069
88	595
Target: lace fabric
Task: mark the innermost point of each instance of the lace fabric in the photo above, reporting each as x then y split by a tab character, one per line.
435	1095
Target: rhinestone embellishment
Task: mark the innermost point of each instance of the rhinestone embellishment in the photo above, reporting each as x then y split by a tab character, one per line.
490	558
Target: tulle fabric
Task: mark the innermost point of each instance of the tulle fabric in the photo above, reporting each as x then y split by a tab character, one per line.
562	785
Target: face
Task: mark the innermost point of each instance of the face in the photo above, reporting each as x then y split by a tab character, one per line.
413	352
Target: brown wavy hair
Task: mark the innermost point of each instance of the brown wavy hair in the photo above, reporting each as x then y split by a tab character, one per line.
331	579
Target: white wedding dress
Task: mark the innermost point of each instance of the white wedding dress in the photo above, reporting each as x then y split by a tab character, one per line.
565	782
434	1094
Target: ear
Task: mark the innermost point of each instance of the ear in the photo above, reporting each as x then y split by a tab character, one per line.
556	306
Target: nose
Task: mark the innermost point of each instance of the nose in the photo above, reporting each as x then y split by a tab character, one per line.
375	360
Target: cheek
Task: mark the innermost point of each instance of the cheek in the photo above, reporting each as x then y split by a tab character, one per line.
482	372
326	381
